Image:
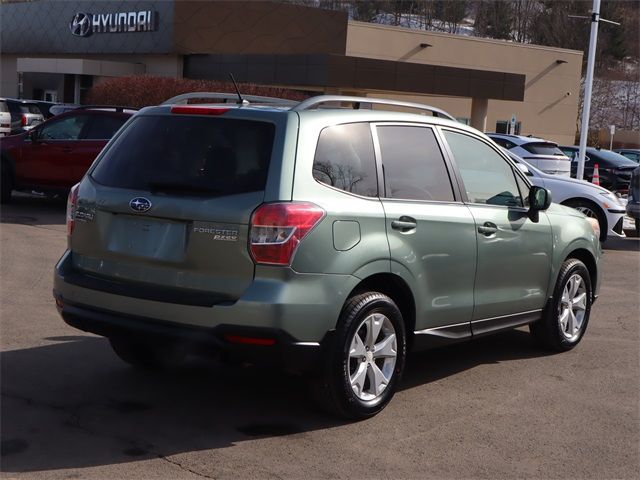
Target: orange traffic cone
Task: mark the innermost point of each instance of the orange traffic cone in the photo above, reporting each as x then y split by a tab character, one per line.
596	175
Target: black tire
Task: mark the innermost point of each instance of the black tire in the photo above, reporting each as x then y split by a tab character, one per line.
549	331
332	388
6	183
596	213
148	355
637	227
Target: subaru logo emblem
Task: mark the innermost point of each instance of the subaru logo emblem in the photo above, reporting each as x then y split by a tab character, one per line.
80	25
140	204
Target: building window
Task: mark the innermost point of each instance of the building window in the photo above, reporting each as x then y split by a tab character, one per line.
502	126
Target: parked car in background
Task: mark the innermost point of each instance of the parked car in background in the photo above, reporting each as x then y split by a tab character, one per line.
614	169
25	114
592	200
272	232
632	154
5	119
540	153
55	155
633	200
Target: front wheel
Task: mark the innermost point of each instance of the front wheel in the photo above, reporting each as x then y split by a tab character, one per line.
364	361
566	315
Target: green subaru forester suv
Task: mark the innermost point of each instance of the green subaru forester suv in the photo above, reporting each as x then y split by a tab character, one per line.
328	236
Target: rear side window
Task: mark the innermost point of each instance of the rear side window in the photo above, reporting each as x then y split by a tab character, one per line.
103	128
30	108
414	167
503	142
189	155
345	160
541	148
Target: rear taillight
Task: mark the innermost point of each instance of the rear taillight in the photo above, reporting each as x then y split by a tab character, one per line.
72	203
195	110
278	228
23	120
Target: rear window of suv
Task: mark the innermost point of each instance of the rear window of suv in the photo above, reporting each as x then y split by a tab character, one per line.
542	148
189	155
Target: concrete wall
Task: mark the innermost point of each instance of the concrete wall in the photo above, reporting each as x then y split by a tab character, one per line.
8	76
550	106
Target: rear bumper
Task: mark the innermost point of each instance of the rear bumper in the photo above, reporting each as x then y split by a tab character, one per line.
297	310
253	344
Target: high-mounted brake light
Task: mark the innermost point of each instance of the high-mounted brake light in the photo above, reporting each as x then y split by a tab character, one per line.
195	110
278	228
72	203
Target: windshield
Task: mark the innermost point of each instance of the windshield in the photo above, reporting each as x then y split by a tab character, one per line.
30	108
190	155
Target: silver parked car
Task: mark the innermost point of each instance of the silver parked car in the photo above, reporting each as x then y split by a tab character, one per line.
540	153
25	114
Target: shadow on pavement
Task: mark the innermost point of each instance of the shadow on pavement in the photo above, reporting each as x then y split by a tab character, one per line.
74	404
628	244
34	210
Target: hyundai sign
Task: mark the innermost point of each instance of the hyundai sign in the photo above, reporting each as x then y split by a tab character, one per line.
86	24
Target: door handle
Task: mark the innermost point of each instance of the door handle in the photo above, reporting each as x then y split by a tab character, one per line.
488	229
404	224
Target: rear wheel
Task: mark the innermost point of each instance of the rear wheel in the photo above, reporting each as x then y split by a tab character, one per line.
148	355
566	315
591	210
637	227
364	361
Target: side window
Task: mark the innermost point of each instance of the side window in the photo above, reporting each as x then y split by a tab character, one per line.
487	177
524	190
103	127
345	159
68	128
414	167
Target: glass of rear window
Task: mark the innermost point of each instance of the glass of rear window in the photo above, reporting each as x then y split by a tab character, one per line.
542	148
189	155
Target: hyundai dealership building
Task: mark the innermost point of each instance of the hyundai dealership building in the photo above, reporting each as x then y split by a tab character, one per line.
58	50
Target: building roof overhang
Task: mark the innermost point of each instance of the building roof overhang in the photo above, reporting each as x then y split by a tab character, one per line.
356	73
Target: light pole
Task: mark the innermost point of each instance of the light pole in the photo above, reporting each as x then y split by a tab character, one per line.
588	83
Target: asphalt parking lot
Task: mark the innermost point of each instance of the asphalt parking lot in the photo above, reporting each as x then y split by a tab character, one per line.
496	408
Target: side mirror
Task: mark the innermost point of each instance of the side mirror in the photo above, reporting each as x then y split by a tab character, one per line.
539	199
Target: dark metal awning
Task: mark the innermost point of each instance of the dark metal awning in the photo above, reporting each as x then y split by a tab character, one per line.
358	73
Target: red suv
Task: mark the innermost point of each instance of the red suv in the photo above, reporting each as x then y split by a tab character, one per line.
54	156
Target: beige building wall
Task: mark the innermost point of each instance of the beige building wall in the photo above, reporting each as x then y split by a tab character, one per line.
550	105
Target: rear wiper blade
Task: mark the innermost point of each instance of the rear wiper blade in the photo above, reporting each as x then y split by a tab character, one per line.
180	187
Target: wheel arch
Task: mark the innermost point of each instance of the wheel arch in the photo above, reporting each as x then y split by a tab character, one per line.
603	214
395	288
587	258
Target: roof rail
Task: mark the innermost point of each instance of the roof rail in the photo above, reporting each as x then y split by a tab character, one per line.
116	108
359	101
226	97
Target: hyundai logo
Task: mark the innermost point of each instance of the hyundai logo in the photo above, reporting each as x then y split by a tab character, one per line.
80	25
140	204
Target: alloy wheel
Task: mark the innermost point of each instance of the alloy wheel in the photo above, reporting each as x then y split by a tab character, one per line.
573	306
372	356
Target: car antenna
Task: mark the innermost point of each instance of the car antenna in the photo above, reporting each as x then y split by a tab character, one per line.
241	101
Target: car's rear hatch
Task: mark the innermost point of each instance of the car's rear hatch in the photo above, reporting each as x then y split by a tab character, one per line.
164	215
547	157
